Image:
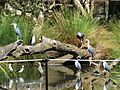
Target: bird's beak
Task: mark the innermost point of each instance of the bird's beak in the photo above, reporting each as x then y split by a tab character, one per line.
12	24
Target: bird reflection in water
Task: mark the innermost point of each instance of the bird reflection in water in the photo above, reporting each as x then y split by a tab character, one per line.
107	84
40	82
91	85
78	84
29	85
78	67
106	67
11	82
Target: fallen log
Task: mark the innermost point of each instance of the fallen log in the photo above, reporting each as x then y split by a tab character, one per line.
46	44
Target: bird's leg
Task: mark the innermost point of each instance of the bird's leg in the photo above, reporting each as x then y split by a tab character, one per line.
78	74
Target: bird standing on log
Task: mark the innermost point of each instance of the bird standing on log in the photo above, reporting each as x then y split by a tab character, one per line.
80	36
90	49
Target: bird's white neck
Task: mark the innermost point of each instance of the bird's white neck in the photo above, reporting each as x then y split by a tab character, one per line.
76	60
15	26
88	43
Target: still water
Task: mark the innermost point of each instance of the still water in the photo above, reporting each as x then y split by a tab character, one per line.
59	78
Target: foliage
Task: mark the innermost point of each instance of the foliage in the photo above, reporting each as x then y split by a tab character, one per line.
33	6
7	33
4	72
65	24
114	27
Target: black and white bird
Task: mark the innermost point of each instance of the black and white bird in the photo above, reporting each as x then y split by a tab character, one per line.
11	83
12	70
33	40
106	66
22	69
80	36
10	67
17	30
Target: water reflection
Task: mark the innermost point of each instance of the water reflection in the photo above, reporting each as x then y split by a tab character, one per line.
16	81
21	83
28	87
78	83
107	83
31	79
91	85
10	83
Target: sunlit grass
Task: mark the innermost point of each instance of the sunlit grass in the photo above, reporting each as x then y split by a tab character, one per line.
115	75
114	27
65	24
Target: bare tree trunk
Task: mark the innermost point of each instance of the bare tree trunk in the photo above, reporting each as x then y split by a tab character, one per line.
92	8
87	6
79	6
106	9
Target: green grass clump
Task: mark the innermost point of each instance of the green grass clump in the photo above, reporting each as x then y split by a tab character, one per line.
7	35
114	27
7	32
65	24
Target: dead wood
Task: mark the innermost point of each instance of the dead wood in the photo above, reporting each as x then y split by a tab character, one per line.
17	49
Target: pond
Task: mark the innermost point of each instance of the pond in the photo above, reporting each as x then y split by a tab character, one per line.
59	78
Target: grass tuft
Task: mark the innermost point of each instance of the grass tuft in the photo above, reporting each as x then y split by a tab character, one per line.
114	27
7	33
64	25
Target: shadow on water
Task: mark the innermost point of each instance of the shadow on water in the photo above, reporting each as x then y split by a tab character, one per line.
59	78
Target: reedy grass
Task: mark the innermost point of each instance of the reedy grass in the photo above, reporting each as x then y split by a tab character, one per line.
7	32
7	35
5	73
64	25
26	27
114	27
